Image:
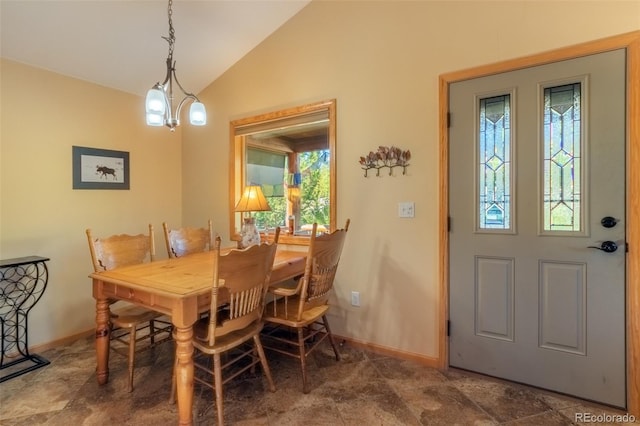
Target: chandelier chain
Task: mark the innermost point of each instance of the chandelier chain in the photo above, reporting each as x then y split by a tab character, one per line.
172	33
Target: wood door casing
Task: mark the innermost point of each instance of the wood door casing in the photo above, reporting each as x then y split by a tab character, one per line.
630	42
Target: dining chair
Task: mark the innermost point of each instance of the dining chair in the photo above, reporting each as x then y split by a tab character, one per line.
183	241
295	320
240	282
129	324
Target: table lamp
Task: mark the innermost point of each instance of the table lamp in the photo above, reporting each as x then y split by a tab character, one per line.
252	200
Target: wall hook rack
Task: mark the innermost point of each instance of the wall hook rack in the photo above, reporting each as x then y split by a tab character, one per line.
386	157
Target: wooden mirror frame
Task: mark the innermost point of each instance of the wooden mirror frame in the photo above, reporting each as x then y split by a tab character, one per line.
238	154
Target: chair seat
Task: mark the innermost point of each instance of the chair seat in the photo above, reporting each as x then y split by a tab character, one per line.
130	316
286	312
223	343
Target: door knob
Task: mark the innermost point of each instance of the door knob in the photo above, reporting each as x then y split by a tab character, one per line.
606	246
608	222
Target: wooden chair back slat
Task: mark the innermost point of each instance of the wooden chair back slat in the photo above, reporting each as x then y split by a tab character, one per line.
320	271
245	275
184	241
121	250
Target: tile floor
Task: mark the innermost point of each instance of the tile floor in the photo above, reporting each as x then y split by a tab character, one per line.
362	389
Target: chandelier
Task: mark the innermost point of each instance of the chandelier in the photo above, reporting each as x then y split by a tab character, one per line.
159	102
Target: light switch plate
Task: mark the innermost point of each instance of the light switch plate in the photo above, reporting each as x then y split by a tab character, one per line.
355	298
406	209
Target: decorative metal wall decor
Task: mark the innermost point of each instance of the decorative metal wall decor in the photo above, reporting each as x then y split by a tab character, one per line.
386	157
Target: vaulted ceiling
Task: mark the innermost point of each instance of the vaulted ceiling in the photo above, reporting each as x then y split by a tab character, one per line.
118	43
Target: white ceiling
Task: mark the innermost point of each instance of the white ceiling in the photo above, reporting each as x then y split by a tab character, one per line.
118	44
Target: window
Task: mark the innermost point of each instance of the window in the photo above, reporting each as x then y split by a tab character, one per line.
290	154
296	186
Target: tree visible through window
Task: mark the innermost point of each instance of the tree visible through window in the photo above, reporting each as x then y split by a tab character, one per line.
314	169
305	201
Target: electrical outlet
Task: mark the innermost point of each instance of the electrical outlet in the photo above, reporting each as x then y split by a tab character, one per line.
406	209
355	298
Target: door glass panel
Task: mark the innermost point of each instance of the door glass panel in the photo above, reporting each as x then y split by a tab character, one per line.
562	205
494	163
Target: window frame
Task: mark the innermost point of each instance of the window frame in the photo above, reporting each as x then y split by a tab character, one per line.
268	120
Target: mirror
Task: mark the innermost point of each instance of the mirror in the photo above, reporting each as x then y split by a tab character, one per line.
290	154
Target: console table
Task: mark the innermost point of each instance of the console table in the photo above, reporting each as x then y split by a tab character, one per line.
22	283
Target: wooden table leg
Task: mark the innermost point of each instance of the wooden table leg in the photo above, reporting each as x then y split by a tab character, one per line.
102	340
184	374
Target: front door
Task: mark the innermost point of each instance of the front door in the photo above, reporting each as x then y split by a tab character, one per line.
537	184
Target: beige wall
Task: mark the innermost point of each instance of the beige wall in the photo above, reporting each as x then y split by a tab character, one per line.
381	61
42	115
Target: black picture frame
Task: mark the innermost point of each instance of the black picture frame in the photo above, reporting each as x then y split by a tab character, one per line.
95	168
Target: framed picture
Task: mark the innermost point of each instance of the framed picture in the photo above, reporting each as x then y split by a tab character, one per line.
100	168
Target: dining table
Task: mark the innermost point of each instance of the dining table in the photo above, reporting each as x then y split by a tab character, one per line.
181	289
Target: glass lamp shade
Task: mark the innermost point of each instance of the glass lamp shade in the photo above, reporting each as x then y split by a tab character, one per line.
197	114
156	102
155	119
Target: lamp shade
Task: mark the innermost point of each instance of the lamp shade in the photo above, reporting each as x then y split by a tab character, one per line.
252	200
197	114
155	119
156	102
293	192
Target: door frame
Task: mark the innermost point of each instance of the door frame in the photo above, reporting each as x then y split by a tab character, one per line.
630	42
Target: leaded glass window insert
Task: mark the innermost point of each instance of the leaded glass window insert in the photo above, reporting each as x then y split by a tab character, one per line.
562	174
494	163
